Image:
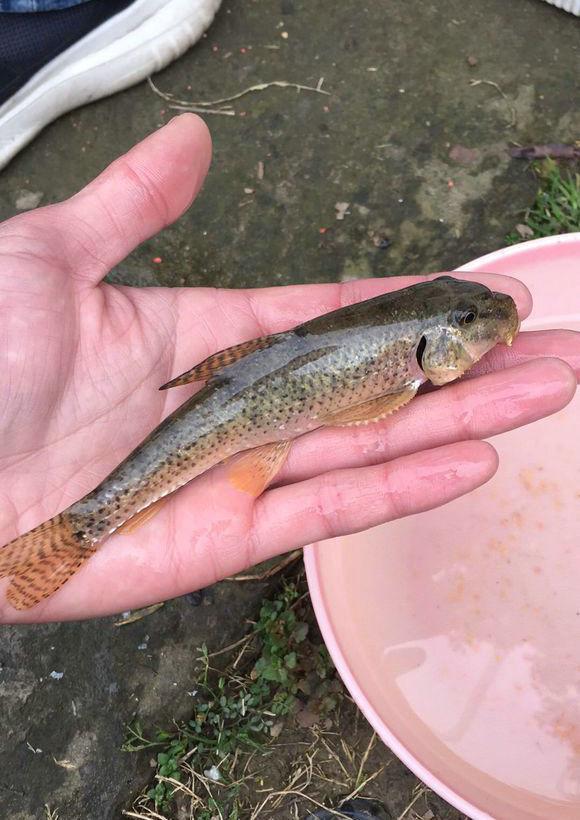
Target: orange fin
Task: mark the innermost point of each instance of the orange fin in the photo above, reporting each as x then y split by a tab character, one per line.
255	469
42	560
141	517
212	365
369	411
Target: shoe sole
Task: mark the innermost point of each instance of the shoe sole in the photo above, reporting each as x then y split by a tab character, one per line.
573	6
127	48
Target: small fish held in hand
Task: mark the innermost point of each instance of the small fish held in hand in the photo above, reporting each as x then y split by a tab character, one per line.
352	366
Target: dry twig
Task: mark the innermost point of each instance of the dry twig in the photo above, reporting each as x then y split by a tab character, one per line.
220	107
500	91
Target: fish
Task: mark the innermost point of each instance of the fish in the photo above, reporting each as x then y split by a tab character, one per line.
352	366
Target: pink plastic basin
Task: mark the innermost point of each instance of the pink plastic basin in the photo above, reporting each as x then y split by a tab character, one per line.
457	631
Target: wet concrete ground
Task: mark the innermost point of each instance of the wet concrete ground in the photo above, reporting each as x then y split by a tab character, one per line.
415	139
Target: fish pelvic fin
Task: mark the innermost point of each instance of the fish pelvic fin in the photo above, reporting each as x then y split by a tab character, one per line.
142	517
42	560
252	471
370	411
213	364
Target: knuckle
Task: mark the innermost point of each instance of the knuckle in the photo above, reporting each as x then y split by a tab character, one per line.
147	195
461	414
331	505
394	493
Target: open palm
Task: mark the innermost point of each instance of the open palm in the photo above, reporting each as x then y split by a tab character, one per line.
82	360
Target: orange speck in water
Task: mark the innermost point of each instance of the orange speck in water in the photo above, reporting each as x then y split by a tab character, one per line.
568	730
498	546
535	486
527	479
458	591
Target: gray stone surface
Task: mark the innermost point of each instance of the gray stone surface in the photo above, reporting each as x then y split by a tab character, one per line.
385	142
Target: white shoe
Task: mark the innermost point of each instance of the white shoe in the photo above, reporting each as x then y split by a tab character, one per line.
573	6
120	52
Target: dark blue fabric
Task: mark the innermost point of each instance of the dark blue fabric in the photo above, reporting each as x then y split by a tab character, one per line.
30	41
22	6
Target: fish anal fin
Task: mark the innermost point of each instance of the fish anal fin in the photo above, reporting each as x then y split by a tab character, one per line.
42	560
141	517
369	411
212	365
253	470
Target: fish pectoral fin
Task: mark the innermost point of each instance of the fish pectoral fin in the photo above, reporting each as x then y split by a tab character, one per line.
253	470
141	517
369	411
42	560
213	364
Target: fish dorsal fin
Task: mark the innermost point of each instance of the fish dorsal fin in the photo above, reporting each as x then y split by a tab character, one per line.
369	411
213	364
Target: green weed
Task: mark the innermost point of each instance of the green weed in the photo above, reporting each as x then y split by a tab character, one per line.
556	207
237	712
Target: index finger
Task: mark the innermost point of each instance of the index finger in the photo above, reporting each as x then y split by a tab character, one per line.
280	308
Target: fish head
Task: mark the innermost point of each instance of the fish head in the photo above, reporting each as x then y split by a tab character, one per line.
470	321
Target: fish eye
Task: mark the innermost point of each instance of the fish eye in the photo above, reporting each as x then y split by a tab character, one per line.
465	317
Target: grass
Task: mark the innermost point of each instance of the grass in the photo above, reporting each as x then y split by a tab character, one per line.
216	761
556	207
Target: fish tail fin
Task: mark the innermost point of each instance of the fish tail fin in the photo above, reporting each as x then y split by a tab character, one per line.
42	560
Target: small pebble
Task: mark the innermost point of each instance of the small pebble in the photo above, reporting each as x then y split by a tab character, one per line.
56	675
194	598
213	774
27	200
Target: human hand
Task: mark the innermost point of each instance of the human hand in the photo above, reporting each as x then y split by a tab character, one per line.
82	361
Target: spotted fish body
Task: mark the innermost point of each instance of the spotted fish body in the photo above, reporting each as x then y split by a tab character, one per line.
350	366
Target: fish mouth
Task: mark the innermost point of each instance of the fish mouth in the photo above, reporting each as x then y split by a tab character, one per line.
511	331
511	321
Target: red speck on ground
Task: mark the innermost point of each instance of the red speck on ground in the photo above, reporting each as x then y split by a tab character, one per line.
157	260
